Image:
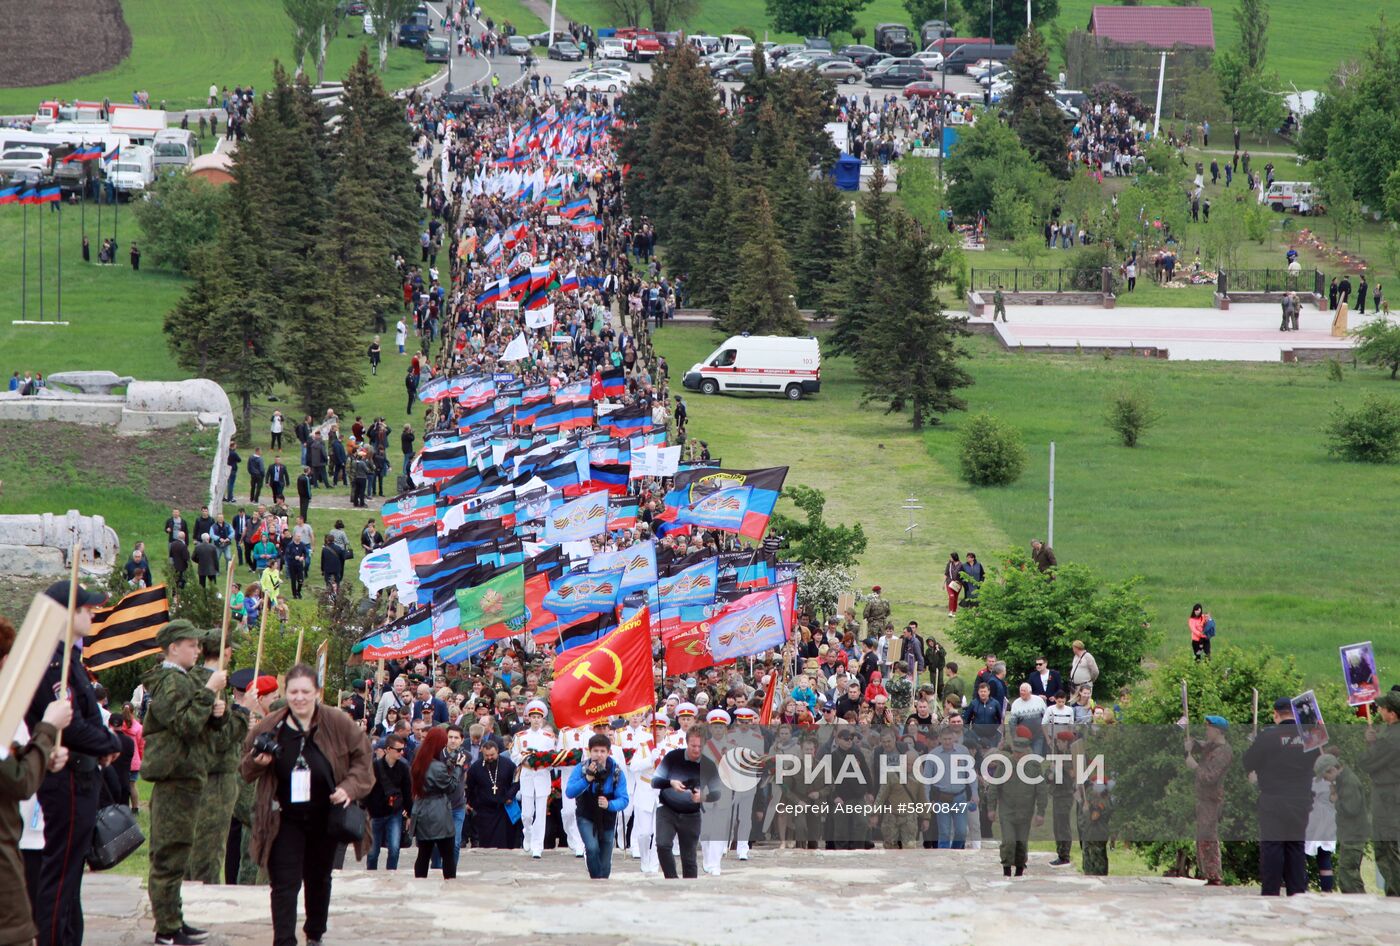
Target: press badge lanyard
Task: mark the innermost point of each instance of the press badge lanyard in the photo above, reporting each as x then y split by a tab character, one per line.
301	772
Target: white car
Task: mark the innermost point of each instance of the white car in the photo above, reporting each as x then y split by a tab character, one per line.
612	49
595	82
931	59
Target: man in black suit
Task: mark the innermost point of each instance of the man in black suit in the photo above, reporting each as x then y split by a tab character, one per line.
304	492
69	798
277	479
1044	681
203	524
242	524
256	472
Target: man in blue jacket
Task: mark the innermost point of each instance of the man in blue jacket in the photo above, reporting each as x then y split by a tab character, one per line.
600	788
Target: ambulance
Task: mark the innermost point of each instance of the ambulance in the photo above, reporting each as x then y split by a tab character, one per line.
772	364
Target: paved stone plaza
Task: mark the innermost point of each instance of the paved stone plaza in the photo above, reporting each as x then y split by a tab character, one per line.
779	898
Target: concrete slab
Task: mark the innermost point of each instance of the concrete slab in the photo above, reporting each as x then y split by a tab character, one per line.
779	898
1244	332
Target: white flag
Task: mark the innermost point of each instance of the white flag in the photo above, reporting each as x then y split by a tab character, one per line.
653	460
517	350
539	318
389	565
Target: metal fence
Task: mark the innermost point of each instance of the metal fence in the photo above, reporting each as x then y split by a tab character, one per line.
1038	280
1267	280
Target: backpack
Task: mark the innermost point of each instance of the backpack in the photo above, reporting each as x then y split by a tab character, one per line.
1209	629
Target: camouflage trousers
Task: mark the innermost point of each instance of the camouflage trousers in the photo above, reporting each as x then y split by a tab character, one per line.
901	830
216	803
1015	839
1094	857
174	807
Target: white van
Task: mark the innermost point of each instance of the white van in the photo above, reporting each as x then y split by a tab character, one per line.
1291	195
772	363
133	171
174	148
736	43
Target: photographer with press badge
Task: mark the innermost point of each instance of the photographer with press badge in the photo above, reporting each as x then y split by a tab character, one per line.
311	764
600	788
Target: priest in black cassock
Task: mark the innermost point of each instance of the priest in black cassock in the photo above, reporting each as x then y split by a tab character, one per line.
490	787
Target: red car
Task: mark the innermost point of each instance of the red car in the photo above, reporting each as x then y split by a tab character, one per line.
924	90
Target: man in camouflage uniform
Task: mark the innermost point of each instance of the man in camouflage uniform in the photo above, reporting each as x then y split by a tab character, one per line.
1215	759
1018	802
221	780
999	305
182	723
1382	763
877	613
1353	821
1062	802
1095	809
905	797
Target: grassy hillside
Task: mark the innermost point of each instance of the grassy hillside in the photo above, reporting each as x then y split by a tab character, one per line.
1231	501
180	47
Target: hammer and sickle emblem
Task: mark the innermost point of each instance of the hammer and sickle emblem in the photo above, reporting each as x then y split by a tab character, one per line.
584	671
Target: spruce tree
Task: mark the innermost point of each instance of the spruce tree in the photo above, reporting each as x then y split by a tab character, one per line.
360	209
910	358
824	235
1034	115
716	252
388	155
761	301
321	347
855	286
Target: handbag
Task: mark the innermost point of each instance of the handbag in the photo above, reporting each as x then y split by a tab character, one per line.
115	836
955	586
346	824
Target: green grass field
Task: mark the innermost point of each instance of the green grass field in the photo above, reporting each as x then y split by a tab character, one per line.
1230	501
178	48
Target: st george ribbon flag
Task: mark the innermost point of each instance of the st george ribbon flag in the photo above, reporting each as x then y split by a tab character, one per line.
748	630
638	562
583	518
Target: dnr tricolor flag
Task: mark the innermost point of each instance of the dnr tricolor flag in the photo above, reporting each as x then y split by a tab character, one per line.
729	500
127	630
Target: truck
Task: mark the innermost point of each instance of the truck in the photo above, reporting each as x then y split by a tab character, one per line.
933	30
59	111
414	30
641	45
139	125
894	39
133	171
175	148
772	364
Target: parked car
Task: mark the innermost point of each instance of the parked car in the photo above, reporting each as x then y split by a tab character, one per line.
29	158
735	71
175	148
964	56
471	102
566	51
705	44
724	61
861	55
924	89
518	45
818	42
841	70
895	76
925	70
737	42
931	60
542	38
778	53
612	48
599	82
437	49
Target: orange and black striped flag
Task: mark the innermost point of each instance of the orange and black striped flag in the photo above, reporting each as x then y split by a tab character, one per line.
127	630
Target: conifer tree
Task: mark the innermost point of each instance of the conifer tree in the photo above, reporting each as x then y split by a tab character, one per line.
909	359
852	292
823	236
1034	115
761	301
716	252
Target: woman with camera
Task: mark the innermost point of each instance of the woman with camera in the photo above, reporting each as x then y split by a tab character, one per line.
313	762
434	783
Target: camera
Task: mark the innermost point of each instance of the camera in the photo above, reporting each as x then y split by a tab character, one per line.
267	744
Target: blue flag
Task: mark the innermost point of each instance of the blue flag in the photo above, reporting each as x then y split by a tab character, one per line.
638	562
749	630
580	593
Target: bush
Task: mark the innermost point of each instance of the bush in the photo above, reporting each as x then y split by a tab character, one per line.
179	215
992	453
1130	413
1369	434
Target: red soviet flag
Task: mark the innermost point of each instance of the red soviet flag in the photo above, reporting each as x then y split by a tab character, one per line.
611	677
688	648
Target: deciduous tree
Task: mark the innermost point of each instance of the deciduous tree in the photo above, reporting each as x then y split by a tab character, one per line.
814	17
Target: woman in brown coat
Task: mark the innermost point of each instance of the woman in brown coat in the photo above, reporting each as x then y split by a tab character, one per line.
322	758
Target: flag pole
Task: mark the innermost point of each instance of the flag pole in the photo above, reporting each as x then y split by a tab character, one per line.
59	316
262	630
228	608
68	635
24	270
41	266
